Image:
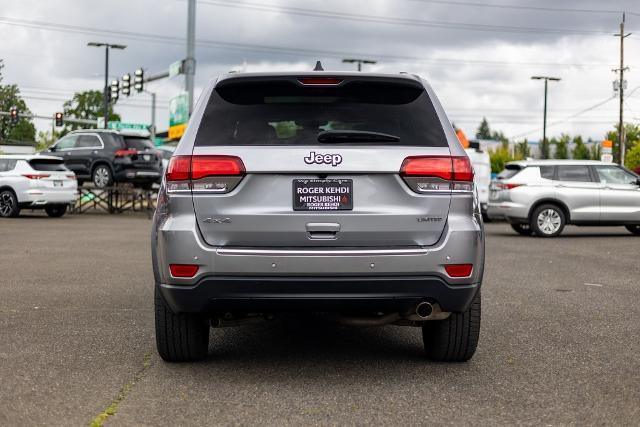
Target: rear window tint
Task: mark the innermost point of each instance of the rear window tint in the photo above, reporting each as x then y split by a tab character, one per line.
509	171
283	112
574	173
49	165
139	144
547	172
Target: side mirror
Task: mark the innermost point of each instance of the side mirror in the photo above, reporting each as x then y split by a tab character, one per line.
638	181
52	148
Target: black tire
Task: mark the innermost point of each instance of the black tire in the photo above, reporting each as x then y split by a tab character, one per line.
454	339
55	211
635	229
9	207
523	229
556	220
102	177
180	337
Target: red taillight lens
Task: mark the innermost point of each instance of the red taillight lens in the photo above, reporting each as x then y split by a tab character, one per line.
320	80
183	270
459	270
179	168
509	186
125	153
203	166
36	175
450	168
71	176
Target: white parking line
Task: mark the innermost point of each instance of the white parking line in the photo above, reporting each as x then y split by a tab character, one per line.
593	284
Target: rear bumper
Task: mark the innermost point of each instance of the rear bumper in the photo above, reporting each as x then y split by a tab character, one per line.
215	294
138	175
41	197
509	211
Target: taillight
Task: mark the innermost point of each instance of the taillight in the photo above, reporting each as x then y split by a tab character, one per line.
71	176
217	174
459	270
426	174
183	270
36	175
127	152
507	185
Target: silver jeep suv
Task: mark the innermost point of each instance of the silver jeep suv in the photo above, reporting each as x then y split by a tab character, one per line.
323	192
541	196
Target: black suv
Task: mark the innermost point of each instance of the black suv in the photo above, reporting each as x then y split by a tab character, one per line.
106	156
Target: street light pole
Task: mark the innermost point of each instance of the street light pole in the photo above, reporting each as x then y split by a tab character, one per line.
544	118
190	61
105	94
359	62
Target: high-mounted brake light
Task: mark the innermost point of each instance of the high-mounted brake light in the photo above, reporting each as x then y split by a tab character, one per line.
183	270
218	174
459	270
320	80
438	173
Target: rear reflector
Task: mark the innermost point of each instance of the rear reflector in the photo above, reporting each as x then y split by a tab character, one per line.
450	168
183	270
459	270
320	80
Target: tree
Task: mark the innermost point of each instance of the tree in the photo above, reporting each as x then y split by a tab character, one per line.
632	158
484	131
24	130
522	150
499	156
594	149
562	147
580	151
632	136
545	149
85	105
46	139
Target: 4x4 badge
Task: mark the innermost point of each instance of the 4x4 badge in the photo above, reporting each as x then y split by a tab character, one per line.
327	159
217	220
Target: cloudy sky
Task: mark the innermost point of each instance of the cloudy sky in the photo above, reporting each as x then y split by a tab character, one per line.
478	55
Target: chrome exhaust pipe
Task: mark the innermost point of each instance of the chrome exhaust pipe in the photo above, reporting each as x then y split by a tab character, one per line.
424	310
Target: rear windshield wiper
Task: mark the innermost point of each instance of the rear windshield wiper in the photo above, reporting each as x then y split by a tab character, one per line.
346	136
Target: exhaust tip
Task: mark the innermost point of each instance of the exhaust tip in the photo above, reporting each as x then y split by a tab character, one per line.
424	309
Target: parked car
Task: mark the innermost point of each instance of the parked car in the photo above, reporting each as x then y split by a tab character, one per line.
335	192
105	157
541	196
35	182
481	163
166	151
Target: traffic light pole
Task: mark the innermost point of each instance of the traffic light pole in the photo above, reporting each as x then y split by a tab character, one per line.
105	95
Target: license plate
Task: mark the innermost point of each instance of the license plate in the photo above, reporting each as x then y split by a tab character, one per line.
146	157
322	194
57	183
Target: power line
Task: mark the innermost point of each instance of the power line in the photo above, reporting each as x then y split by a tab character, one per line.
306	52
391	20
520	7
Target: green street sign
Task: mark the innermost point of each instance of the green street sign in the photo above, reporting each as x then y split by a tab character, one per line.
127	126
179	109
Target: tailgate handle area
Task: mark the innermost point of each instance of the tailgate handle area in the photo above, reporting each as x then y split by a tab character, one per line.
322	230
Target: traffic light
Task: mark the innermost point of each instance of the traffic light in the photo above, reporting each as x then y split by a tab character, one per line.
58	117
138	80
115	90
126	84
13	113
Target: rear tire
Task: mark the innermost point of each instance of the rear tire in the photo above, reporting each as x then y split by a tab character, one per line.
522	229
454	339
547	220
180	337
55	211
9	207
102	177
634	229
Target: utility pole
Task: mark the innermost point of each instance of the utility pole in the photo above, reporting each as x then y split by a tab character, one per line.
359	62
621	136
544	117
190	61
107	46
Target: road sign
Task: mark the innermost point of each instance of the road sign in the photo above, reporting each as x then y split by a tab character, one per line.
127	126
178	115
607	147
175	69
606	158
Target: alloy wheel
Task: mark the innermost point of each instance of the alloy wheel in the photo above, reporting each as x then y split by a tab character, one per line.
101	177
549	221
6	204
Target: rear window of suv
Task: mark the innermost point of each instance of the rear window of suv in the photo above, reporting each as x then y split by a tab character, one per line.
49	165
283	112
139	144
509	171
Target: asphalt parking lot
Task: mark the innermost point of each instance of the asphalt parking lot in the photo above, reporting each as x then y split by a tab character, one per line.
559	342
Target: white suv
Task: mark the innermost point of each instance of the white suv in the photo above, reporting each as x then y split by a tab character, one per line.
35	182
542	196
